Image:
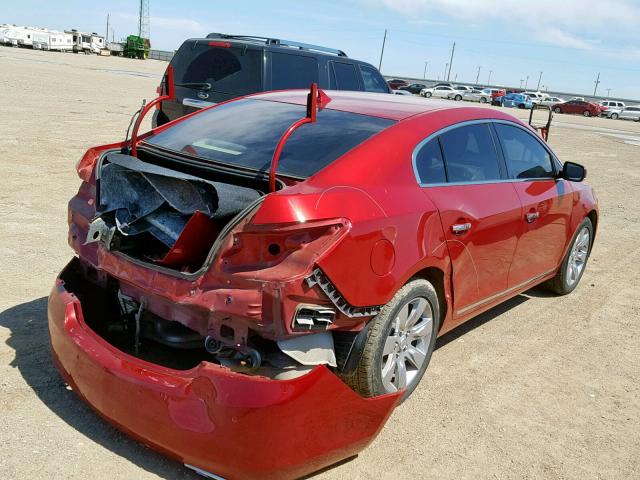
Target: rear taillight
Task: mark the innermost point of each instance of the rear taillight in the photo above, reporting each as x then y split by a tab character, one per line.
220	44
288	249
87	163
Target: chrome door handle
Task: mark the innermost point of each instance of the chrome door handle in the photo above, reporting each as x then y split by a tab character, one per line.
532	216
460	228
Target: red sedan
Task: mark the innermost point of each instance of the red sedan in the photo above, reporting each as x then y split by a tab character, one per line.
257	285
579	107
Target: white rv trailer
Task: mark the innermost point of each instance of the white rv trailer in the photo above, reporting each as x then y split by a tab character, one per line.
86	42
19	36
53	40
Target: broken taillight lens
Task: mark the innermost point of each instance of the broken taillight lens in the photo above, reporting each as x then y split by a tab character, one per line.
87	163
280	250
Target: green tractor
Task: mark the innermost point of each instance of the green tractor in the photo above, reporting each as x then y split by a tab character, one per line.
137	47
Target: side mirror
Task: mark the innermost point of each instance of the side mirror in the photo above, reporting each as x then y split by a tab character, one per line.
574	172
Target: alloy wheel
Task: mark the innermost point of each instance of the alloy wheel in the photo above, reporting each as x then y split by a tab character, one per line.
407	344
578	256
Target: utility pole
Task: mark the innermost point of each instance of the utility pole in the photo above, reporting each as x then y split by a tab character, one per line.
424	75
526	82
384	40
521	82
478	75
489	79
539	80
608	92
455	79
597	82
106	37
446	66
453	49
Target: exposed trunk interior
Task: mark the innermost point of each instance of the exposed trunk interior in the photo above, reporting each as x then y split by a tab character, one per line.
123	323
161	215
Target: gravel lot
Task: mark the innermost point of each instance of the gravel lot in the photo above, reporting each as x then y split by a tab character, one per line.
540	387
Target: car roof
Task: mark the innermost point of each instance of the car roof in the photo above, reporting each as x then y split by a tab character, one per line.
393	107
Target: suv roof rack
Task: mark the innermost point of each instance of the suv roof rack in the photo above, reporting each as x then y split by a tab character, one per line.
279	43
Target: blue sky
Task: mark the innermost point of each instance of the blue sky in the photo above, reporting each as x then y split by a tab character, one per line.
570	41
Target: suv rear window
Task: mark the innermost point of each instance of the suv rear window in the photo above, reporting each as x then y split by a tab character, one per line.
292	71
245	133
228	70
345	76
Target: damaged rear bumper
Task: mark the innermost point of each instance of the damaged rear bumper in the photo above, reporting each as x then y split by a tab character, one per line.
225	423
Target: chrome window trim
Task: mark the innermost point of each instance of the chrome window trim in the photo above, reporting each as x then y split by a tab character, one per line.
414	155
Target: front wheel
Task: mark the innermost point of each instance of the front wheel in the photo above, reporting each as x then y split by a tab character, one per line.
586	113
557	110
399	343
614	116
575	261
483	100
458	98
428	94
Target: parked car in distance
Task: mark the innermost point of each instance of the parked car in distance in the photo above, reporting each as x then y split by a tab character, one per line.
460	90
536	97
517	100
439	92
413	88
402	92
220	291
220	67
496	93
580	107
441	84
551	101
396	83
476	95
611	108
631	113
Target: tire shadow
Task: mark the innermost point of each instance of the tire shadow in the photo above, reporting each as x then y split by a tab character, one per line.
29	338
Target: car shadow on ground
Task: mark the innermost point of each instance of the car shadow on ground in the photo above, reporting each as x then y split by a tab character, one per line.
29	338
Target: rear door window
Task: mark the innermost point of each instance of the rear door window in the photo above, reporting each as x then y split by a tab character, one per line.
345	76
228	70
429	163
470	154
292	71
523	153
373	81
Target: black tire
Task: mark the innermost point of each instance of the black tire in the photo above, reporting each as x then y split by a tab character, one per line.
586	113
521	106
427	94
559	284
458	98
614	116
366	378
557	110
483	100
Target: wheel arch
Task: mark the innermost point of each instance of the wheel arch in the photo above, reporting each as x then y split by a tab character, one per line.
436	277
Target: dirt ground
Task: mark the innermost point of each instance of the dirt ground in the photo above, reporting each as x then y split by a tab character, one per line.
540	387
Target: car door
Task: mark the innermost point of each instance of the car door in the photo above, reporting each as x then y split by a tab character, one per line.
442	92
480	211
547	203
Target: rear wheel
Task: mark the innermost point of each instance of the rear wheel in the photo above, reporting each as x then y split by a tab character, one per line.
614	116
458	97
586	113
483	100
575	261
557	110
399	343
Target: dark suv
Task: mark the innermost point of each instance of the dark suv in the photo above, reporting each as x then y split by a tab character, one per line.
221	67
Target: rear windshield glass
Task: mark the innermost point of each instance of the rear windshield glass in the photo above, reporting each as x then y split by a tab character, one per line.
228	70
245	133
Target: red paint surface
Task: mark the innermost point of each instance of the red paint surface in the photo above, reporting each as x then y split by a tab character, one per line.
235	426
370	227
